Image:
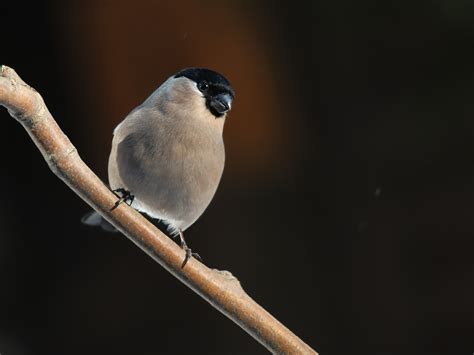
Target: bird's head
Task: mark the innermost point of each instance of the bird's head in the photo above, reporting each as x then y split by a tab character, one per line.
214	88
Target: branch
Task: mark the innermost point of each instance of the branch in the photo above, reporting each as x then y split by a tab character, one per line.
219	288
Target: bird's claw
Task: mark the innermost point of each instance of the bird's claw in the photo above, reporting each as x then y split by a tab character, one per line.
125	196
187	250
189	255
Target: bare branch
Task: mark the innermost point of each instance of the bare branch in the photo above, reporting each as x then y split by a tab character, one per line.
219	288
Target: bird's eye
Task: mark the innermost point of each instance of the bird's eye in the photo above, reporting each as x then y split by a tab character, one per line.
203	86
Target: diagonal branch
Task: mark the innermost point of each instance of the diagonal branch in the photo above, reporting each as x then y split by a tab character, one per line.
219	288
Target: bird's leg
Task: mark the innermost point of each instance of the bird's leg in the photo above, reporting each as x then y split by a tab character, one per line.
125	196
188	250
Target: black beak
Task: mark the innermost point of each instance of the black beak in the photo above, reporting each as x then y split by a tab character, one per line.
221	104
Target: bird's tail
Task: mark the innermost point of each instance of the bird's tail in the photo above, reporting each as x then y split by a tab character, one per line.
93	219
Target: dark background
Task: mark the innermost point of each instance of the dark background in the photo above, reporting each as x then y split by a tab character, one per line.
346	206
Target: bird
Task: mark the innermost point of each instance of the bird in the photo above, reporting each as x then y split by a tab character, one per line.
168	155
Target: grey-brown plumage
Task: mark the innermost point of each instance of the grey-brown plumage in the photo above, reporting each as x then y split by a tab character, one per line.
169	151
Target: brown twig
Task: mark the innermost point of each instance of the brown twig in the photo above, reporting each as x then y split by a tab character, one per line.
219	288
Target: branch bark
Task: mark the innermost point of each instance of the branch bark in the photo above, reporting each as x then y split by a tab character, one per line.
219	288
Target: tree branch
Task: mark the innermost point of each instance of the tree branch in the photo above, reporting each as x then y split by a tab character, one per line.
219	288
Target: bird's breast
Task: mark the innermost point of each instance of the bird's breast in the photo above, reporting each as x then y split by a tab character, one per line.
174	175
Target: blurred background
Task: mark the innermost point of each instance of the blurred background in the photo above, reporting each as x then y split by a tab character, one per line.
346	205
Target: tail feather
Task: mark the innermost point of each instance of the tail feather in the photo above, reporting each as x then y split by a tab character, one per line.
93	219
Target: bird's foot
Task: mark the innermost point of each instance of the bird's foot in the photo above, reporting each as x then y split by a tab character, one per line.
124	196
187	250
188	256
